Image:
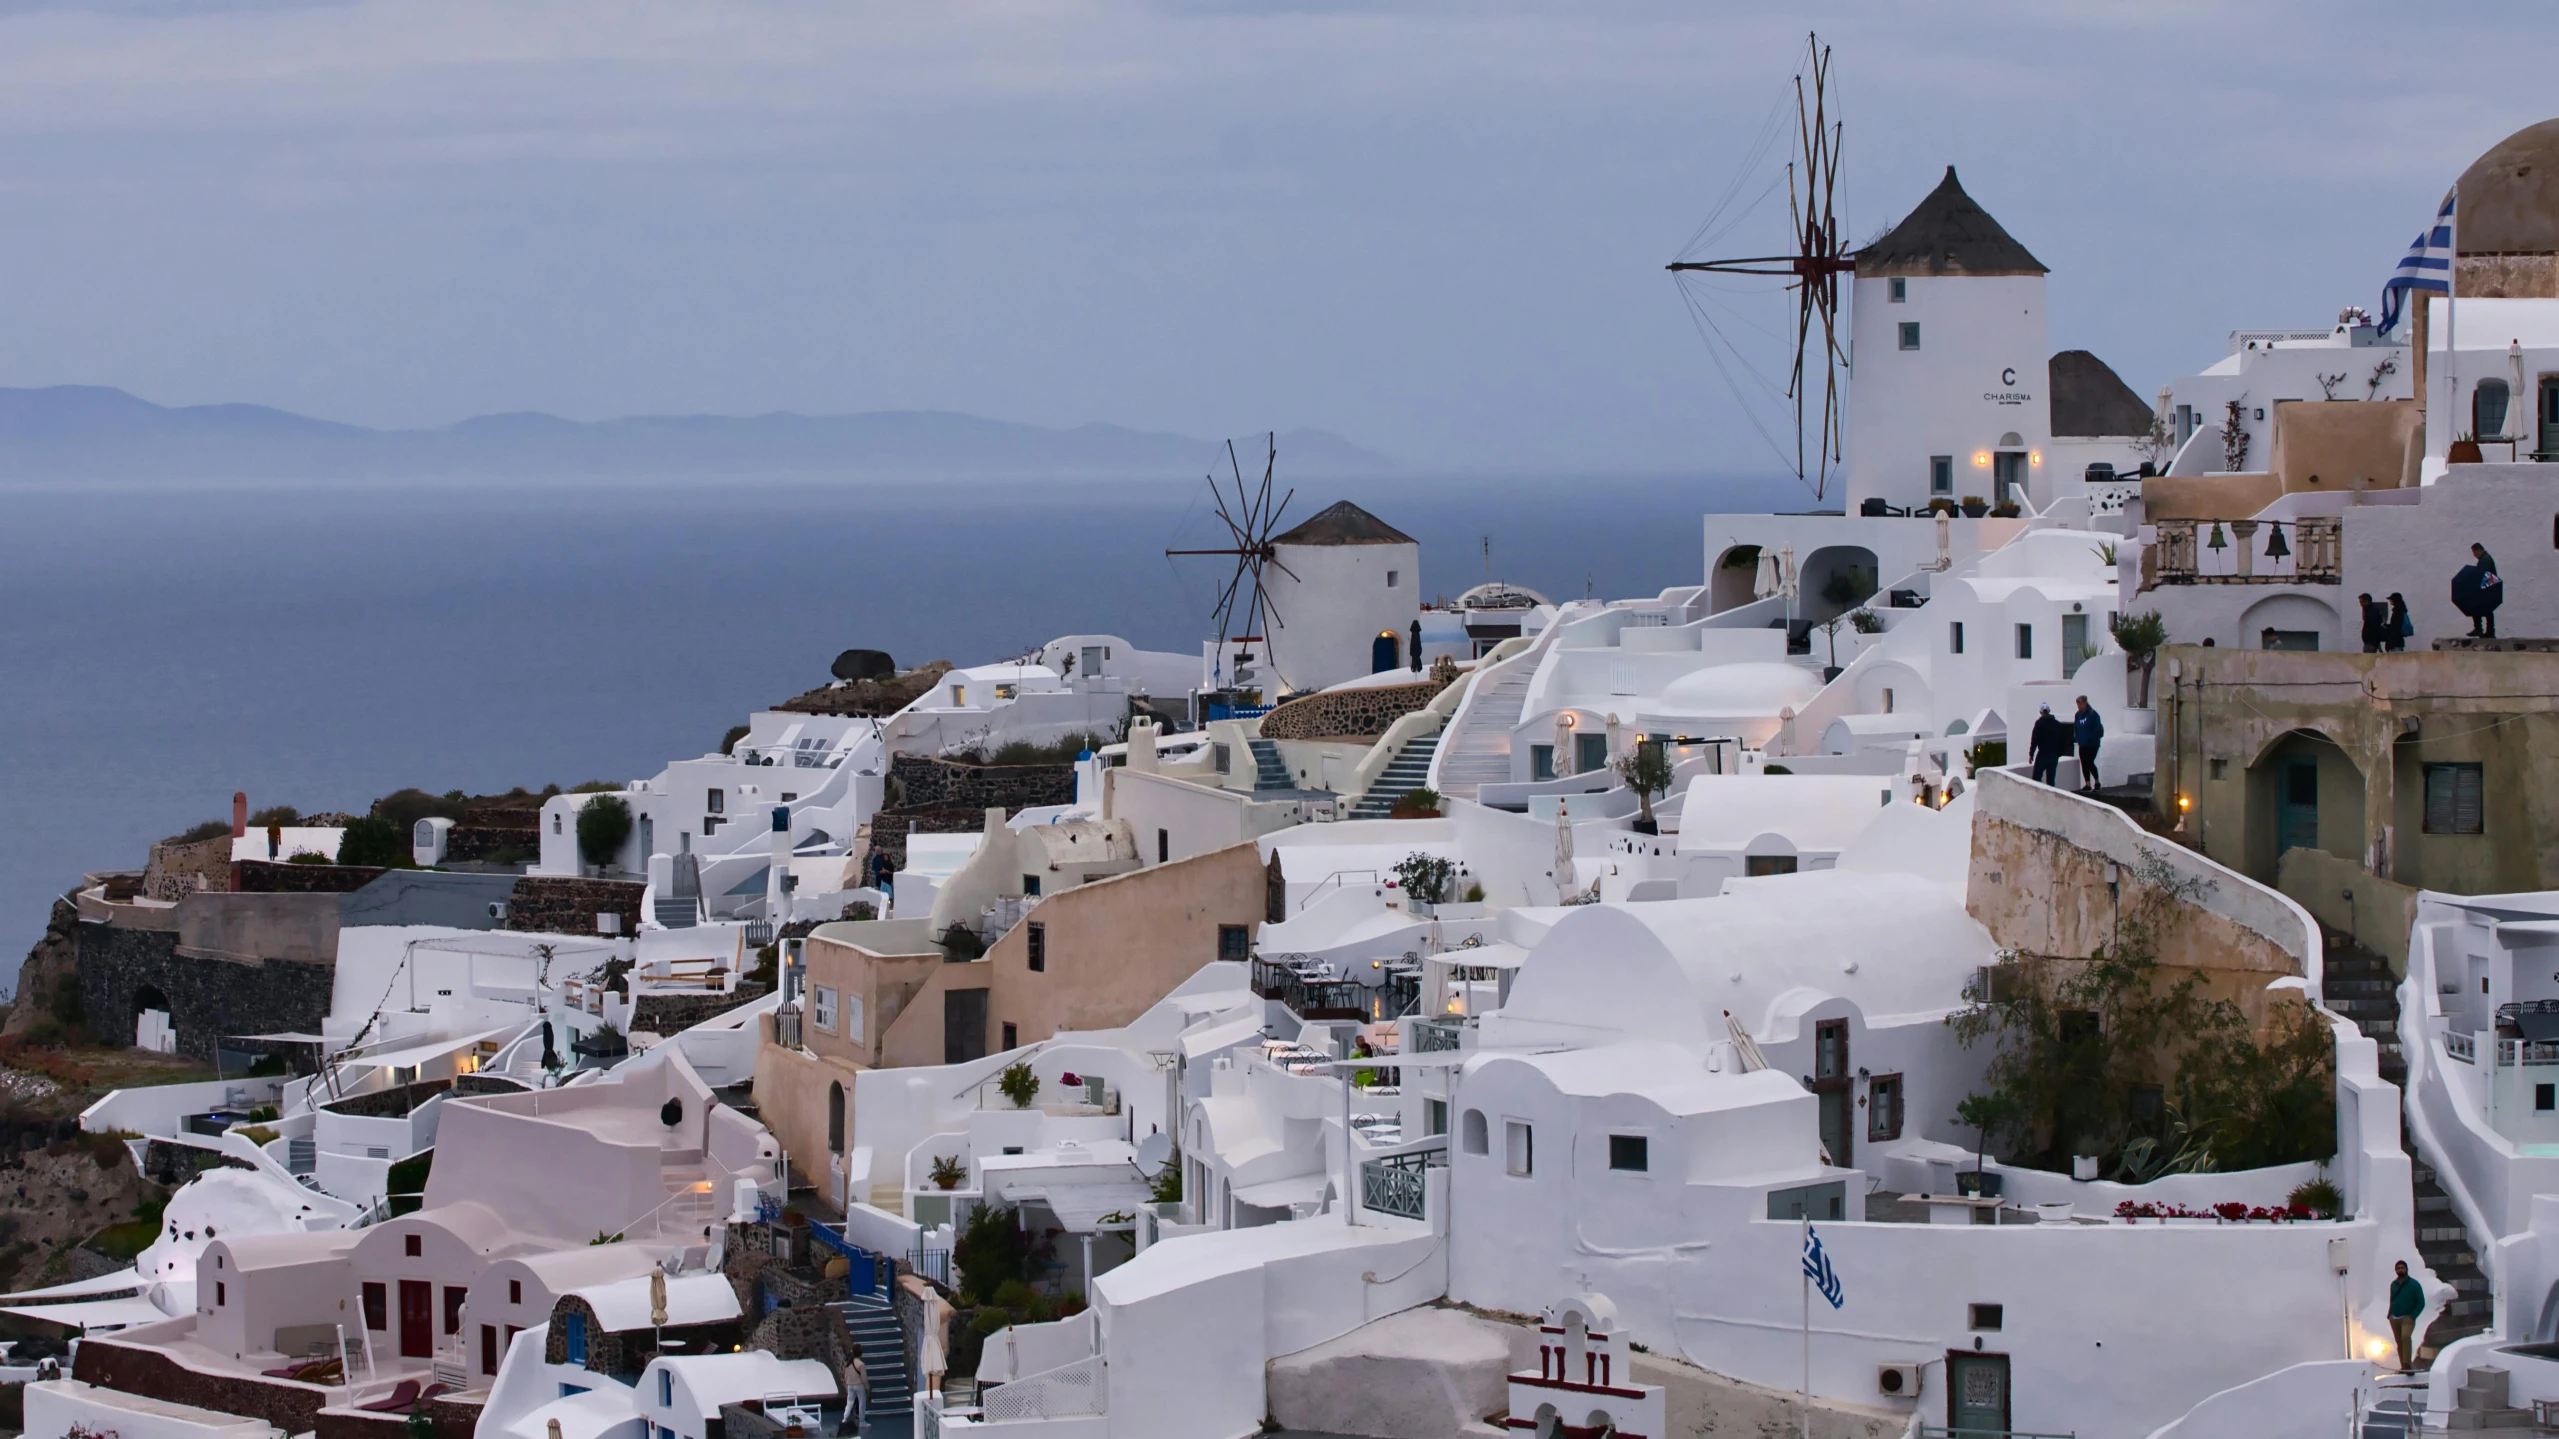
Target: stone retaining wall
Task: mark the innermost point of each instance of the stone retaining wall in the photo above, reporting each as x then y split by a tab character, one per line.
888	829
561	904
1349	714
922	781
668	1013
291	1407
259	876
182	869
208	997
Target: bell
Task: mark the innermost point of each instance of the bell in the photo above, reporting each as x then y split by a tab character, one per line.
2275	547
2217	542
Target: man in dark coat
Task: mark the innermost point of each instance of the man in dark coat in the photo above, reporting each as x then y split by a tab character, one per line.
2376	620
2477	591
2046	743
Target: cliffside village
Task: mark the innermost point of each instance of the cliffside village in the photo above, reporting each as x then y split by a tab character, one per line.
2062	945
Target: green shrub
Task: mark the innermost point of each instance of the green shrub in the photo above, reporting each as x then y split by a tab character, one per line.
1987	754
728	742
603	825
990	1250
373	840
1019	1084
1014	1294
207	830
1774	769
304	856
1061	751
1426	877
2319	1196
405	807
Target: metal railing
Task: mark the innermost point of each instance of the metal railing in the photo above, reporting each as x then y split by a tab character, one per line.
1436	1036
1068	1390
2464	1047
1313	999
1397	1185
2514	1053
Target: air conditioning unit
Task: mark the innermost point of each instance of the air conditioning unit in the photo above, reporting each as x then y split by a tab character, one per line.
1898	1381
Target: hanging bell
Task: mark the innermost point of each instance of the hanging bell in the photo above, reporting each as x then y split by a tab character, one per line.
2217	542
2275	547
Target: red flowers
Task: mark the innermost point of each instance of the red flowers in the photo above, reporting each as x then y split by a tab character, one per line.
2228	1212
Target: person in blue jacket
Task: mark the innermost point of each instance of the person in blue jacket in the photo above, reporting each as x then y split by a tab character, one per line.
2086	730
2407	1304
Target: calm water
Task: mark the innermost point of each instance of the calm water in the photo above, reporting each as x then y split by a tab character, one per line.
159	650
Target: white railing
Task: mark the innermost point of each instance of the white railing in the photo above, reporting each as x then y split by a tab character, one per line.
1068	1390
2461	1046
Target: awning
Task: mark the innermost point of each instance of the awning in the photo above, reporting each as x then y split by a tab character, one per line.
92	1315
287	1037
122	1281
1282	1193
1079	1207
420	1052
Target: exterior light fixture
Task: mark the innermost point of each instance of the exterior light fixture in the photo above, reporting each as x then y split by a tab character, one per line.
1981	459
2034	457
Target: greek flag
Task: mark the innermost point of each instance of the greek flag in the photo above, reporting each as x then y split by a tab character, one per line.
2427	266
1817	1269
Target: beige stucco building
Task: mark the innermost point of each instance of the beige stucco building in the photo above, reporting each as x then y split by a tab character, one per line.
2436	769
880	994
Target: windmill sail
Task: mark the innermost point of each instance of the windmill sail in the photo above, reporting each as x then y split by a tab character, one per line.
1244	614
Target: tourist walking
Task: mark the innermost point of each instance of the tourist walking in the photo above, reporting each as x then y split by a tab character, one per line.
2045	745
2086	730
2396	631
857	1395
2376	622
2477	590
2407	1301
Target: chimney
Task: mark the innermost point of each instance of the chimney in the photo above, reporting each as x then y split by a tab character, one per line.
239	814
1141	748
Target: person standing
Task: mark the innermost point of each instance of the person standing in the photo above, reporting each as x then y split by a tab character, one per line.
2374	618
2086	731
2044	746
857	1394
2477	590
2398	628
2407	1301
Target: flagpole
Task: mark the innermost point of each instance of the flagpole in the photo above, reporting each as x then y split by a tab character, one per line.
2452	326
1808	1330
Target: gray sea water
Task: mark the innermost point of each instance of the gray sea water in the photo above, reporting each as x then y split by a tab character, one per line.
318	647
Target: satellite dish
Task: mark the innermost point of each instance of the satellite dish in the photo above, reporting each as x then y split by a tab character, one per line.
1153	1153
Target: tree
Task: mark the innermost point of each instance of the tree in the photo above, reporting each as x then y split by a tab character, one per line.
2140	636
1647	771
603	824
1997	1110
372	840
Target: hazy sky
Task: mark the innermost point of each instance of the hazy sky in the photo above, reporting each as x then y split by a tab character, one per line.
1436	228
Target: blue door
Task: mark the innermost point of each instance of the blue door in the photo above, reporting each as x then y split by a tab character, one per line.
1381	653
2297	817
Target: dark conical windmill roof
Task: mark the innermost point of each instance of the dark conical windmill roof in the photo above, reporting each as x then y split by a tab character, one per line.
1345	524
2089	398
1949	234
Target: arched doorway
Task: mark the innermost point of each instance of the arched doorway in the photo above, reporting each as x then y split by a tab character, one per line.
2304	793
152	1029
1732	581
835	1118
1836	579
1382	652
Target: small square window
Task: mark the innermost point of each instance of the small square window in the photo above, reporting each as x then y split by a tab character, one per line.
2220	768
2025	642
1941	474
1037	946
1883	1108
515	1291
822	1008
222	1292
1988	1316
2545	1097
1391	577
1900	289
1910	334
1030	885
412	1245
715	802
1630	1152
1434	1116
1012	1037
2454	799
1163	846
1519	1148
1234	941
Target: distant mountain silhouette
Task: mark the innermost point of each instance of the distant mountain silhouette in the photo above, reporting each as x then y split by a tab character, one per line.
92	433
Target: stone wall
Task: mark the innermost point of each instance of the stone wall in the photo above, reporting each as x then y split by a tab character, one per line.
668	1013
1349	714
259	876
291	1407
924	781
560	904
182	869
208	997
467	843
889	828
877	699
629	1351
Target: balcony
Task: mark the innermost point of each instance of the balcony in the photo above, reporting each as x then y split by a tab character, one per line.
1313	990
2309	556
1398	1183
1438	1036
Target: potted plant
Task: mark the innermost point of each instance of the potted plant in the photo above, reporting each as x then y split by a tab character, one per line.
1427	879
1975	507
1942	505
948	1172
1019	1084
1646	771
2004	510
1421	802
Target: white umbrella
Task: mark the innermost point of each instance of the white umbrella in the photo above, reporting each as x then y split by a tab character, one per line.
1744	1046
2514	390
1566	885
1563	745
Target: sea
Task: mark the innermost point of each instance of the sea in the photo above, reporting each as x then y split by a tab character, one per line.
320	646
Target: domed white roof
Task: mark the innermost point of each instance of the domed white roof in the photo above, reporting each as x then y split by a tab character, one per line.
1742	691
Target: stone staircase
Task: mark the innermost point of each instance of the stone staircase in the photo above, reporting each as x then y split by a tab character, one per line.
1269	770
1406	772
1480	752
2359	985
872	1322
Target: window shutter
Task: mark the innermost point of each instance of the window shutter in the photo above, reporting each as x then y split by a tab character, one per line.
2454	799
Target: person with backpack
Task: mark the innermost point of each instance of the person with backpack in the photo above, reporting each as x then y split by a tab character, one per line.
2396	630
2086	731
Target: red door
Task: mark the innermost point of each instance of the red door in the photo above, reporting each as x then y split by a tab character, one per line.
417	1319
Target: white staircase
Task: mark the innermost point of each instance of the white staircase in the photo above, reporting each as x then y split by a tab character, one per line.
1476	750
